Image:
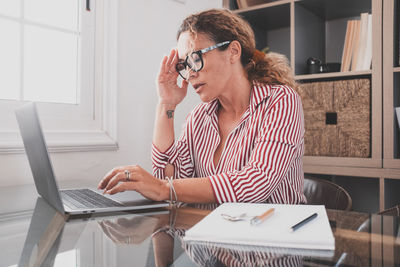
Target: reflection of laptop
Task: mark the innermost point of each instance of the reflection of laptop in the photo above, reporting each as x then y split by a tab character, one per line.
76	201
44	235
50	235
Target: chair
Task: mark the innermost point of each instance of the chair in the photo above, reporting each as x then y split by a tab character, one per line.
322	192
393	211
366	226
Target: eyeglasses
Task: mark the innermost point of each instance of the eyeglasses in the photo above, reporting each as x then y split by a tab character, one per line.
194	61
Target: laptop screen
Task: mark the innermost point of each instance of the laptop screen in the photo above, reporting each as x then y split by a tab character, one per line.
36	150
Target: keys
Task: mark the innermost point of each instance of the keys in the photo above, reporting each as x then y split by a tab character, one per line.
85	198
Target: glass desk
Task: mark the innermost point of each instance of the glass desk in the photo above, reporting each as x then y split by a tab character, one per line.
44	237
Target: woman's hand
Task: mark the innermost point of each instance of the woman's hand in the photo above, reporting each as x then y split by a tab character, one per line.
140	180
168	90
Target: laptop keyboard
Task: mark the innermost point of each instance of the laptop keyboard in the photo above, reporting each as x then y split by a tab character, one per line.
86	198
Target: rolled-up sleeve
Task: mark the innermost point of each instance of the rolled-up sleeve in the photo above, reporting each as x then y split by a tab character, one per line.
277	145
178	155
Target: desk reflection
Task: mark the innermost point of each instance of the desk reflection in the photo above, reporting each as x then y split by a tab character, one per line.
166	231
132	230
209	254
155	238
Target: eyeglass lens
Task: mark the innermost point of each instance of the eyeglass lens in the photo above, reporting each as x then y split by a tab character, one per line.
193	62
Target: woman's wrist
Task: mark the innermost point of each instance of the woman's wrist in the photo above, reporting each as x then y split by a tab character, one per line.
166	105
167	109
165	191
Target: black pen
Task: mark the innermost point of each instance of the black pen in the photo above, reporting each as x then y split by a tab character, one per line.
303	222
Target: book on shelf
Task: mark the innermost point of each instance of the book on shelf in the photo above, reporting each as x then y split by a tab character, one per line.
345	46
368	50
398	115
355	57
357	49
348	46
362	44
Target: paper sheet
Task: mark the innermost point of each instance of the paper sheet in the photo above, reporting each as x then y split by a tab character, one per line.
274	231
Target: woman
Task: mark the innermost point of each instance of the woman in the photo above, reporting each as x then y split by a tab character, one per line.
244	143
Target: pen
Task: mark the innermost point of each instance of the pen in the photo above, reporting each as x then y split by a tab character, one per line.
260	218
303	222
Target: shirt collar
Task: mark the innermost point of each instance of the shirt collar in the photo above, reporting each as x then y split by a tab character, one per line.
212	106
259	92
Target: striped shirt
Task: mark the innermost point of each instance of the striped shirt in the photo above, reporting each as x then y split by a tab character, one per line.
262	157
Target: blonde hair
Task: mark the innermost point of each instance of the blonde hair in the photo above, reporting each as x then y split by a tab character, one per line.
222	25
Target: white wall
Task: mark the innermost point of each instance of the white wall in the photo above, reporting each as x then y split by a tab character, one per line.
147	31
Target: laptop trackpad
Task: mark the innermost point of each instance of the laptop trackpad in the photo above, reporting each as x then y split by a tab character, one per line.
128	198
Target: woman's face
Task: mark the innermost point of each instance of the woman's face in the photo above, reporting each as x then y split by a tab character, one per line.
211	81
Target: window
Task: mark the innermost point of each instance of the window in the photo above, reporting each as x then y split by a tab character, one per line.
54	53
40	50
43	44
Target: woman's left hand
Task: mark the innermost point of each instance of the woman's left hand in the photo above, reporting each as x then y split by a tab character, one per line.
140	180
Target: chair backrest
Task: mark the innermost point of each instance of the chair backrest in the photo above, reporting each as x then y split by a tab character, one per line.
393	211
322	192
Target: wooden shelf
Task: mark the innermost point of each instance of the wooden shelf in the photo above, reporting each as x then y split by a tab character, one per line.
331	10
333	75
391	163
342	161
261	6
396	69
353	171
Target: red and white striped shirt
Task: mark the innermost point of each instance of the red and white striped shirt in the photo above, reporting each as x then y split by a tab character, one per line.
262	157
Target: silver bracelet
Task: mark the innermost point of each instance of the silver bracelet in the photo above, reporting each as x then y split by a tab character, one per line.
172	191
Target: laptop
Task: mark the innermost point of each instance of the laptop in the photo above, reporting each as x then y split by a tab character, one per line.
72	201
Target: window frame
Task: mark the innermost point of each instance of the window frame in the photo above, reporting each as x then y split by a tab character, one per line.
96	128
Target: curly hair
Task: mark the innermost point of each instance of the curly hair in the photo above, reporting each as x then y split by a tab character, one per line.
222	25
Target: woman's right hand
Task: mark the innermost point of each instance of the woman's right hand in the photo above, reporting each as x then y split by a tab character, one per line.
169	92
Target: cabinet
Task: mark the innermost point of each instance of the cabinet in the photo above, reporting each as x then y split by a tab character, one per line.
301	29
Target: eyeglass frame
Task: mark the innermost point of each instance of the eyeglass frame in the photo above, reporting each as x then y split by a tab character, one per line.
199	53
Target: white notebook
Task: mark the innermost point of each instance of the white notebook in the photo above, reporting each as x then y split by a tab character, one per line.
275	231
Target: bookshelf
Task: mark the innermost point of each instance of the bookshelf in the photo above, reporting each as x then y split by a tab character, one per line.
391	94
301	29
391	83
